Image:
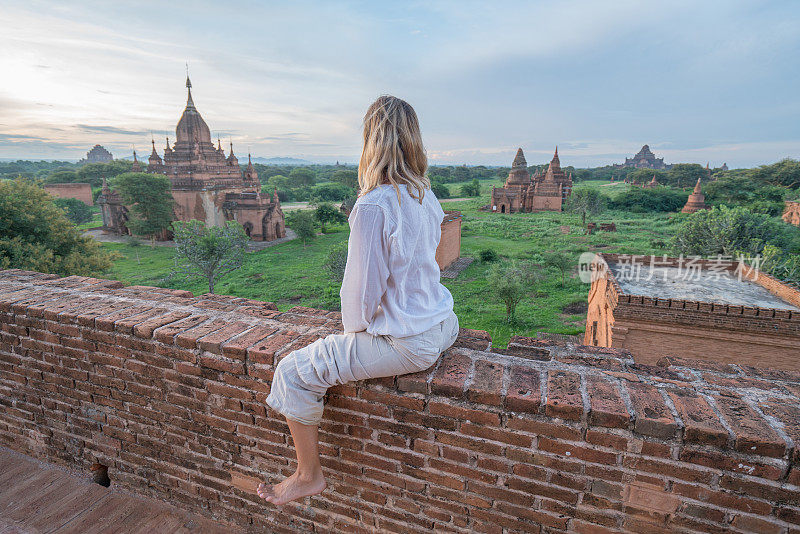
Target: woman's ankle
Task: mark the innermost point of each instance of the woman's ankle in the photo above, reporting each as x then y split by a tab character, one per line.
310	474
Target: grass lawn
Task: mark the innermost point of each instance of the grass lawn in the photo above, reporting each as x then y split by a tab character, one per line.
291	274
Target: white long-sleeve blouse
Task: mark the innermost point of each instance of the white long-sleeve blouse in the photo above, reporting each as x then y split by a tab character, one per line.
391	280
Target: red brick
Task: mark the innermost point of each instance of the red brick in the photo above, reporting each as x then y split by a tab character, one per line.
125	326
451	375
524	390
414	382
264	352
487	383
213	341
237	347
167	333
701	424
564	397
473	339
576	452
789	415
752	434
457	412
188	338
146	328
606	404
653	416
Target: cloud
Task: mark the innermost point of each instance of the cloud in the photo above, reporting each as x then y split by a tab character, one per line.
597	79
110	129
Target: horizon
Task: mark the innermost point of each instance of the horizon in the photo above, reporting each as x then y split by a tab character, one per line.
711	83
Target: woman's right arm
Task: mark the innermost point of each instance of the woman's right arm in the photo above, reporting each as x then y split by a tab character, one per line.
367	269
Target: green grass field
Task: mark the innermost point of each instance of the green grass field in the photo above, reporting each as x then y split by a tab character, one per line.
291	274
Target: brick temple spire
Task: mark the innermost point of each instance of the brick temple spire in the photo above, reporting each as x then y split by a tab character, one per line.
555	162
189	101
519	159
136	167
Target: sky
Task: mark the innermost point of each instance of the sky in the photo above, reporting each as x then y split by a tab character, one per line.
699	81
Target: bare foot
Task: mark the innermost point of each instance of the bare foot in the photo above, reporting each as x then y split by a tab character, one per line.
292	488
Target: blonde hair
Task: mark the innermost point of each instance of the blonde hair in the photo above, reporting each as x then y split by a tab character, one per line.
393	152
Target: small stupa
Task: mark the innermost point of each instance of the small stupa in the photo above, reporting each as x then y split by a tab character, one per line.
697	200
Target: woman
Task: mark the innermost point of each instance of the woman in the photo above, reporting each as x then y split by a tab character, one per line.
397	316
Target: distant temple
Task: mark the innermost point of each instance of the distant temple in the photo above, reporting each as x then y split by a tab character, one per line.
697	200
97	154
540	192
791	212
210	187
645	159
651	184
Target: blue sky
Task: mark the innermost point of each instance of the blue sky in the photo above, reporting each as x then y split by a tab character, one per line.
698	81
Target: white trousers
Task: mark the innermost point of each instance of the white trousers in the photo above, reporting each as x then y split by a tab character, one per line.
303	376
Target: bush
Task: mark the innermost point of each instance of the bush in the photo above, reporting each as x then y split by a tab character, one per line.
36	235
488	255
639	200
728	231
75	209
133	241
440	190
336	261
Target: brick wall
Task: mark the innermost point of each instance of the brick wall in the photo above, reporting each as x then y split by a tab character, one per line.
168	390
82	192
449	247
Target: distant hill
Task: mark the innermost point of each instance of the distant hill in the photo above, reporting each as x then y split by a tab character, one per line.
282	161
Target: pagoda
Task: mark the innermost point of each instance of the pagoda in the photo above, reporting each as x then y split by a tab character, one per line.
541	192
697	200
210	187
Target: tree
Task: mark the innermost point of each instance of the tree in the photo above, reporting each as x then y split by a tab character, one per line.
587	201
729	232
327	213
330	192
511	283
302	222
208	253
686	174
472	189
75	210
638	200
440	190
561	262
149	202
62	177
301	176
346	177
336	261
36	235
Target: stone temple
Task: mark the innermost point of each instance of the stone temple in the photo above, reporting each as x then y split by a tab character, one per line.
209	186
645	159
540	192
97	154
